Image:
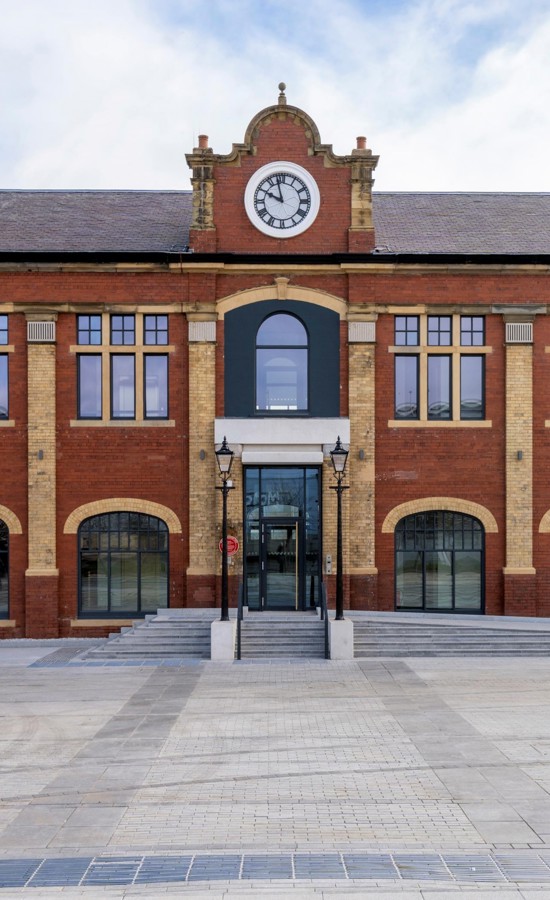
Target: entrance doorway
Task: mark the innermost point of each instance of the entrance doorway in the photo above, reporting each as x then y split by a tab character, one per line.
281	564
282	537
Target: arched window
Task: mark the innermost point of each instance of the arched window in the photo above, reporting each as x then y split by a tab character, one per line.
439	562
4	570
123	564
281	364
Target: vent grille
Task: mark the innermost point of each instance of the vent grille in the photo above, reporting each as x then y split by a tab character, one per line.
519	332
41	332
202	331
362	332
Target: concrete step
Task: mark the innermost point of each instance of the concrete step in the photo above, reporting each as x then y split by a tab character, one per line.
401	639
158	637
503	638
298	635
479	651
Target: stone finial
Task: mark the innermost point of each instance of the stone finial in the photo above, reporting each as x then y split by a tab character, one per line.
282	95
203	142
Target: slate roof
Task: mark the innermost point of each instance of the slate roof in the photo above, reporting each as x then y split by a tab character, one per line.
94	221
158	222
462	223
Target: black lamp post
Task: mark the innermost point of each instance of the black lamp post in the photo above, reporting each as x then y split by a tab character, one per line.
339	458
225	457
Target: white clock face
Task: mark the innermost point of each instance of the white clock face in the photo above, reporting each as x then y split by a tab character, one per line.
282	199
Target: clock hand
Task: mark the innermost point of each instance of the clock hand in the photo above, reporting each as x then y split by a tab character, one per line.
273	197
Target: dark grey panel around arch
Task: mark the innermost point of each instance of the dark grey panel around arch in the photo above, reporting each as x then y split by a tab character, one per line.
240	328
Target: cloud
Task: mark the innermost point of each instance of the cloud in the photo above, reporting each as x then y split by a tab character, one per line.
451	93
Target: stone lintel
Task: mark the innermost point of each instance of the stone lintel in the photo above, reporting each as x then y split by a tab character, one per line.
519	570
519	313
41	573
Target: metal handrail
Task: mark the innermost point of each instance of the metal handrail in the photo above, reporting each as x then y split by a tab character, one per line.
240	618
324	615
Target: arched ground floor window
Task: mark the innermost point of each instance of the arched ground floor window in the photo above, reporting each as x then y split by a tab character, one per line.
439	562
123	564
4	570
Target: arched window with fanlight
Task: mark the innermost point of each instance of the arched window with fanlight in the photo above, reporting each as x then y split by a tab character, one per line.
439	562
282	364
123	564
4	570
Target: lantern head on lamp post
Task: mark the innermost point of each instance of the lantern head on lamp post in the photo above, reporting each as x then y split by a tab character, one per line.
224	456
339	457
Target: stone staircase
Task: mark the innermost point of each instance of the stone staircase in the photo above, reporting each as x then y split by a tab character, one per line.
169	634
280	635
394	637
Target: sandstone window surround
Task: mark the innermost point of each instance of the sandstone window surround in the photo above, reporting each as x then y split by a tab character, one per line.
122	369
439	367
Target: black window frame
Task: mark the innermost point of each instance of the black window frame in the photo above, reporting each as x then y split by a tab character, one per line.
5	552
471	331
438	331
147	356
4	329
434	416
406	331
112	357
421	546
79	358
5	357
124	330
301	411
151	327
397	415
85	526
87	329
482	359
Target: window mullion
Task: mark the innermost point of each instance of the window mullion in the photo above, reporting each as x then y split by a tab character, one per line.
453	581
455	385
455	336
423	385
423	335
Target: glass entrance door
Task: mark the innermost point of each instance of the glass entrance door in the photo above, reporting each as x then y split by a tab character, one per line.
282	537
280	564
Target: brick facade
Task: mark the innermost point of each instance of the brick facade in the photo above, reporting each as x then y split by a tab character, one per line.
58	469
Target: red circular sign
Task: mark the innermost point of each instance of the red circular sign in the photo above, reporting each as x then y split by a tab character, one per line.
232	545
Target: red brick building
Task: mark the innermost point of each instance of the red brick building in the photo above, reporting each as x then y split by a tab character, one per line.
282	304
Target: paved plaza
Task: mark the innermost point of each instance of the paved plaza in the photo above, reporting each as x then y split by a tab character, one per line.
415	778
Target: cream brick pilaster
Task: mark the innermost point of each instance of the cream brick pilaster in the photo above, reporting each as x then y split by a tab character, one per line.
361	458
519	459
203	540
41	381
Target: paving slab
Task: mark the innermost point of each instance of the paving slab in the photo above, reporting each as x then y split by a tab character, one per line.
307	778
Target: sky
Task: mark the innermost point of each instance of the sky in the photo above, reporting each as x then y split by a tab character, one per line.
452	95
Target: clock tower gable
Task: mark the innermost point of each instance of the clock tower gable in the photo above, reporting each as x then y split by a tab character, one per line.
282	190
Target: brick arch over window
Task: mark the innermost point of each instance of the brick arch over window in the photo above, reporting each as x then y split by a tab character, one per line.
451	504
282	292
11	520
121	504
